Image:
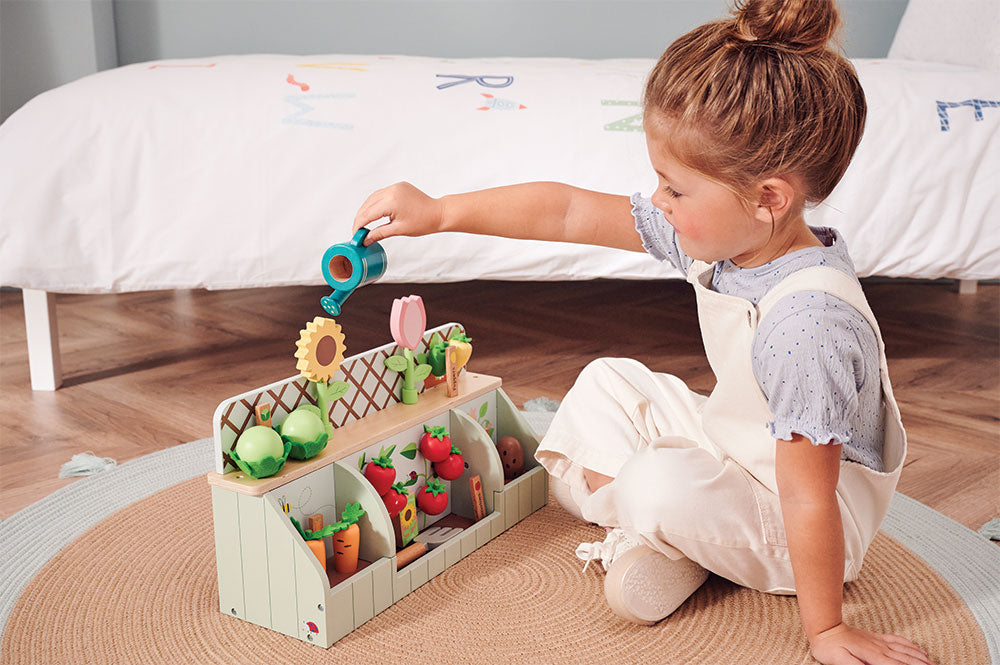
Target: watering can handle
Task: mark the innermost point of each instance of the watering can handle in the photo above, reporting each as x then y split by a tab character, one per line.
359	237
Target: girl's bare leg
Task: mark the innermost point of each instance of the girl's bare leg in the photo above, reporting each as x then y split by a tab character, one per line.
596	481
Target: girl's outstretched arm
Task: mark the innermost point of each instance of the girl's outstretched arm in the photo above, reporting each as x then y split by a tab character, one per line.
807	482
531	210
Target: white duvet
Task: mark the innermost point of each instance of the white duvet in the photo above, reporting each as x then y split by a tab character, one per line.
239	171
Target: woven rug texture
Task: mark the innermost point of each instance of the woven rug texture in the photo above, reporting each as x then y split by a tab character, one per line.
140	586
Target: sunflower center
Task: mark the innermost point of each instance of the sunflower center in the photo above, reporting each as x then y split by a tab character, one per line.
326	350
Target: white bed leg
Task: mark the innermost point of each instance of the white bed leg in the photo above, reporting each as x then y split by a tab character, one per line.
967	286
43	339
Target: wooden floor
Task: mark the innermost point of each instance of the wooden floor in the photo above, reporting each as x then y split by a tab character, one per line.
145	371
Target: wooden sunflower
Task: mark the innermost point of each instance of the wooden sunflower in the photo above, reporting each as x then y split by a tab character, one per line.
321	349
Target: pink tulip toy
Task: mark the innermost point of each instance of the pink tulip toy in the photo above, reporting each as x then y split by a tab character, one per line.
408	321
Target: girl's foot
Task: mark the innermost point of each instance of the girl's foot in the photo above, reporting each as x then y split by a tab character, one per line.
642	585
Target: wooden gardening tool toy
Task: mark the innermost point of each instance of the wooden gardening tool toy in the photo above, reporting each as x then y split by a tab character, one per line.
451	375
263	412
476	490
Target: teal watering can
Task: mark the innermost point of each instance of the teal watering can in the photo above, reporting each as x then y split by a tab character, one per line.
348	265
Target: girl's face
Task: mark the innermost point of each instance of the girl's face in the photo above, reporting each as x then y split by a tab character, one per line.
710	222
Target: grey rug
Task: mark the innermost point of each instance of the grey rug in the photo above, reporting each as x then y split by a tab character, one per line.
966	559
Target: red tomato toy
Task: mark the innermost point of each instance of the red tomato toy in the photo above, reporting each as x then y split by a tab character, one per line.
435	444
451	467
432	499
380	472
395	499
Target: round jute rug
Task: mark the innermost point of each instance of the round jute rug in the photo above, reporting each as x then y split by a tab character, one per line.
140	586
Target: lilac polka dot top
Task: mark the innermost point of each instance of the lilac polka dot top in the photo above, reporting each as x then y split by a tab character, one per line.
815	356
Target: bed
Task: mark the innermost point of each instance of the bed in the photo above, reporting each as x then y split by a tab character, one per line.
239	171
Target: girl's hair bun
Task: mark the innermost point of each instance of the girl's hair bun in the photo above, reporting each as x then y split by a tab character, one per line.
799	26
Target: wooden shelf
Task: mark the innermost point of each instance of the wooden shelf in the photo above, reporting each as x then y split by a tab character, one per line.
362	433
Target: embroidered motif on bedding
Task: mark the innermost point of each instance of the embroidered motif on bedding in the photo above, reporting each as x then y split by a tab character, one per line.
976	104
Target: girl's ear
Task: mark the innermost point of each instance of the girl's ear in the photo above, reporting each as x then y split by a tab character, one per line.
776	194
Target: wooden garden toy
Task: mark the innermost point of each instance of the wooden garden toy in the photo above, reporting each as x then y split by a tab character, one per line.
320	352
349	265
512	455
407	322
478	502
314	539
271	568
347	539
446	358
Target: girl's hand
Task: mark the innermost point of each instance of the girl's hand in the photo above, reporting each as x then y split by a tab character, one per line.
843	645
410	213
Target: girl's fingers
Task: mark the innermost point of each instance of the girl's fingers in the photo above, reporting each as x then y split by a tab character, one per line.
369	212
378	233
910	655
906	646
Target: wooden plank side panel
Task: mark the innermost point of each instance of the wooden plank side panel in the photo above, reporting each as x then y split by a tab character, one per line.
469	541
310	594
400	583
253	544
364	597
281	569
228	558
435	562
510	503
524	493
418	573
452	552
539	489
500	522
382	581
339	612
484	532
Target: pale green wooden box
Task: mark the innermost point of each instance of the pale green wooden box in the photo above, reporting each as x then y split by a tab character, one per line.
267	574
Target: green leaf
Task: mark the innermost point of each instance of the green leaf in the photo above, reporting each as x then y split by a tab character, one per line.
352	513
396	363
298	527
482	410
422	372
337	390
328	530
361	463
409	452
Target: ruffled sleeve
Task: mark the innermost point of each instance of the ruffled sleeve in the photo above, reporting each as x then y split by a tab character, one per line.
811	368
658	236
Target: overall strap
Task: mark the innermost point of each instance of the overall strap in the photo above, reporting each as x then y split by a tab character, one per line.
819	278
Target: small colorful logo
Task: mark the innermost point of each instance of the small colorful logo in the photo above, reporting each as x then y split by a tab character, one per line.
498	104
311	627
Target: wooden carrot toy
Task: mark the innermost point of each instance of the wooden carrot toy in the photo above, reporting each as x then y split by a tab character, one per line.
347	538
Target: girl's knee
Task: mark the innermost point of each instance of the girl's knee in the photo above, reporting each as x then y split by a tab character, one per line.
648	493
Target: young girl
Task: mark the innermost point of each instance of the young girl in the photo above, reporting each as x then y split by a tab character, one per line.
780	478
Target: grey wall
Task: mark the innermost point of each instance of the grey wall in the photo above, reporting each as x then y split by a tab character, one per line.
44	43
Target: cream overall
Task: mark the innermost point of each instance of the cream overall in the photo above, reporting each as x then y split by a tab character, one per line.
695	476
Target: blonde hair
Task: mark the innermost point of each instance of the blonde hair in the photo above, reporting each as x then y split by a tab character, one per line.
761	95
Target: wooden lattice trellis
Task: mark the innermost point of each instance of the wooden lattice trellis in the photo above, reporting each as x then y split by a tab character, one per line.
372	388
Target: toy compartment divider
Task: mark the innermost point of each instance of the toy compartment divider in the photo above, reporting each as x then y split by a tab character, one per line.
481	455
510	422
